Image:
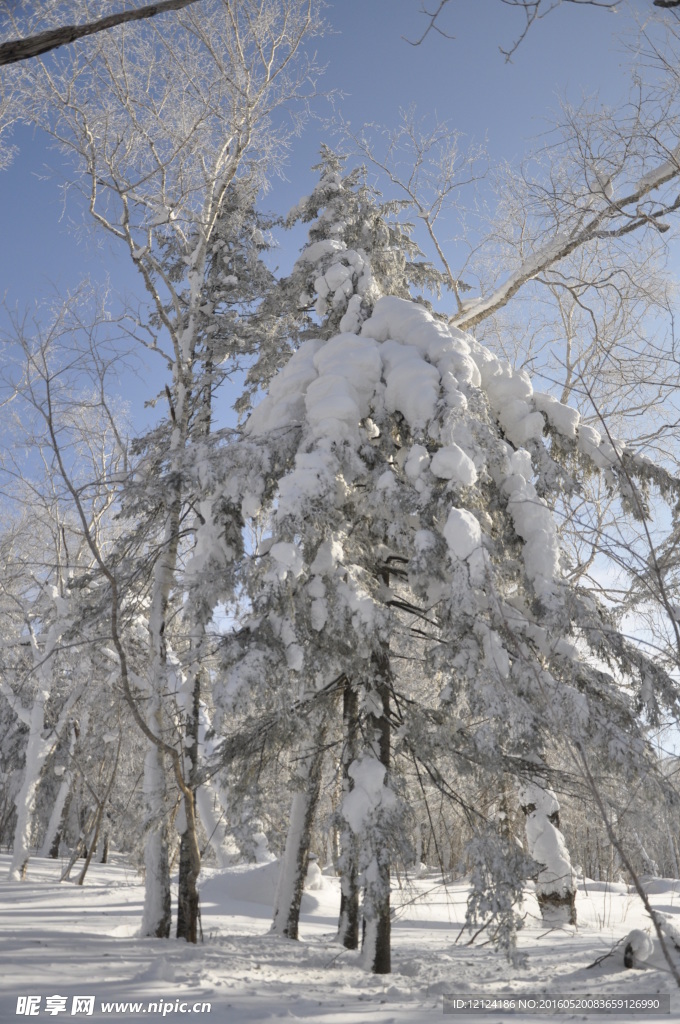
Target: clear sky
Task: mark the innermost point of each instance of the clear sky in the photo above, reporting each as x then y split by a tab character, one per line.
575	51
465	80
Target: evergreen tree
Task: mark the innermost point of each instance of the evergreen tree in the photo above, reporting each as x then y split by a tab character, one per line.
357	250
404	465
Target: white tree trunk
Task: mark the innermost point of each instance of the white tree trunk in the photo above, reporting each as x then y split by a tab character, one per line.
417	869
294	863
650	865
157	918
211	801
374	836
36	752
348	861
56	815
290	872
673	853
59	804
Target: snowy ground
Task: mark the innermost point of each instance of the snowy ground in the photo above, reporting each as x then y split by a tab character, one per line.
61	940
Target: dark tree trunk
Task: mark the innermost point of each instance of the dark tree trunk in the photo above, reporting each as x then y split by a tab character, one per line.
61	825
348	925
80	849
101	807
379	956
54	848
162	930
93	846
187	897
188	905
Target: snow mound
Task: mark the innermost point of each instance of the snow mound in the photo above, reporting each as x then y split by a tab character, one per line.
562	418
637	947
451	463
591	885
670	927
248	883
656	886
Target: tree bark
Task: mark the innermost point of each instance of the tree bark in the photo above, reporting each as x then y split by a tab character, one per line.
53	832
80	848
188	906
15	50
376	946
156	919
187	897
348	924
101	807
50	846
36	752
93	846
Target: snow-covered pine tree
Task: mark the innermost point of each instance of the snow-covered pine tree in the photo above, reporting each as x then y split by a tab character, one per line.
409	446
404	465
357	250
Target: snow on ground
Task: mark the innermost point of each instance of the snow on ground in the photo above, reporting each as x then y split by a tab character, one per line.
59	940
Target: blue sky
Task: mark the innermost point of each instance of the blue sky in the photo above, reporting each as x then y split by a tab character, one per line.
374	72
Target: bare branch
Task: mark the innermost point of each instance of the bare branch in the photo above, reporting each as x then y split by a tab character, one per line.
532	12
432	17
15	50
580	220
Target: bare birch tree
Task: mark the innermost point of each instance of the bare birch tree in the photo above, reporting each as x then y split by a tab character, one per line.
160	120
45	551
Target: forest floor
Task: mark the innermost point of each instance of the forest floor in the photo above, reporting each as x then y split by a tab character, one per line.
60	942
